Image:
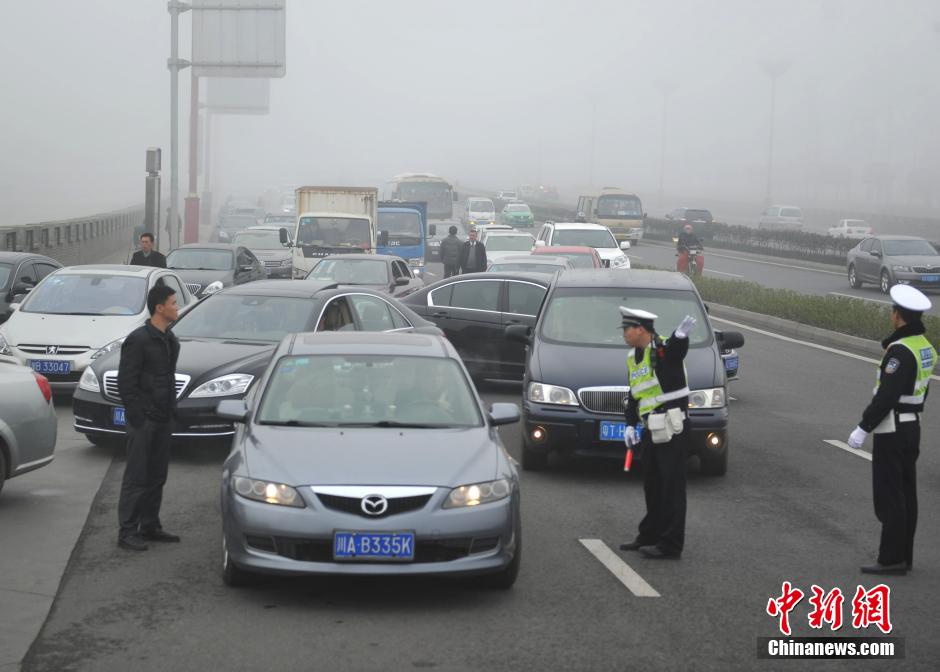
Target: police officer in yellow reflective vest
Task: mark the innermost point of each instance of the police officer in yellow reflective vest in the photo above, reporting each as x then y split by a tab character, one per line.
659	397
893	416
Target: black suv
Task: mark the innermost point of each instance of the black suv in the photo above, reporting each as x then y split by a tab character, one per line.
576	365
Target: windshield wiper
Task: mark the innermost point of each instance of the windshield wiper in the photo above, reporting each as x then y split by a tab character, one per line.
297	423
93	314
394	423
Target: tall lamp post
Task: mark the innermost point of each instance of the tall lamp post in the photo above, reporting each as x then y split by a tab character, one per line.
665	88
773	69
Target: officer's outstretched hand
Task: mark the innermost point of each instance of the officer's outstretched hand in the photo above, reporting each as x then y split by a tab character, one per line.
685	327
857	437
629	437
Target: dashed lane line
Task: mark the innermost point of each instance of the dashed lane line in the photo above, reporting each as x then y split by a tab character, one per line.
844	446
635	583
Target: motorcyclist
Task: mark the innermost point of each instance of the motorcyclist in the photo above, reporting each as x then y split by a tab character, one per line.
687	242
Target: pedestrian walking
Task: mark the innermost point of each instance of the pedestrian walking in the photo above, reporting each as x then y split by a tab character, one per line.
451	248
147	385
473	255
146	255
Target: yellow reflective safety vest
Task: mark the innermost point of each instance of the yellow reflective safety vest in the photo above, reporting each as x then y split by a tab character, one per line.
644	385
926	357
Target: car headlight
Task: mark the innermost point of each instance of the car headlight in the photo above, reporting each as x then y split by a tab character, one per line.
478	493
212	287
110	347
270	493
619	261
5	347
223	235
552	394
902	269
89	381
713	398
223	386
434	243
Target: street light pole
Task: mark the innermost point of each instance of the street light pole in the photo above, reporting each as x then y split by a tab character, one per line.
773	69
665	88
174	64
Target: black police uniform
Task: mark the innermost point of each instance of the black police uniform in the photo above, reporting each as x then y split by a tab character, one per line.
664	464
894	455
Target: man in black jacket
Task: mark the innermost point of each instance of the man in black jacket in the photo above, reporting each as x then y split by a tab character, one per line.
451	247
472	255
147	385
146	255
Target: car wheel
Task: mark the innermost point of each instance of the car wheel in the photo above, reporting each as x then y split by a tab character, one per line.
232	575
506	577
715	465
886	283
853	278
534	460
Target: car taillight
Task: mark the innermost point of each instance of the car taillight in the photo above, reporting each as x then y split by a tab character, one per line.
44	386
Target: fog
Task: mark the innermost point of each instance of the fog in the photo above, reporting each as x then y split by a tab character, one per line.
493	94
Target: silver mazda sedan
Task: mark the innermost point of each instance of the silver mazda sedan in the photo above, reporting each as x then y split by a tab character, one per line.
369	453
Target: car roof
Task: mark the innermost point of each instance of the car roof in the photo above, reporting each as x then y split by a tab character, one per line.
579	225
499	275
564	249
295	288
111	269
207	246
366	257
637	279
19	256
506	232
370	343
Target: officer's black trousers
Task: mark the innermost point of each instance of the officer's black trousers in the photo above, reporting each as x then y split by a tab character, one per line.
148	459
451	270
664	477
894	486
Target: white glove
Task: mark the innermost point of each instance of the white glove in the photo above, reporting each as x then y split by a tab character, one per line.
857	438
630	438
685	327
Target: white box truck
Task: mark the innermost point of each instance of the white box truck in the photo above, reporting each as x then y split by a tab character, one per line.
332	220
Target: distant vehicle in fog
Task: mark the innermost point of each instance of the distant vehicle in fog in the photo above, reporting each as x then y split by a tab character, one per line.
618	210
284	218
428	188
517	214
479	211
265	243
380	272
229	225
781	217
690	215
851	228
507	195
207	268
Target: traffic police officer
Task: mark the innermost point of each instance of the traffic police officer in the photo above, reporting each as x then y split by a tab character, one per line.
892	415
659	396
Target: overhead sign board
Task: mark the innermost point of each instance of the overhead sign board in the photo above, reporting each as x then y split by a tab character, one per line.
239	38
238	95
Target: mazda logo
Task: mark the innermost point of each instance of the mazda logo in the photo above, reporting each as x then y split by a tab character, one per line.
374	505
52	349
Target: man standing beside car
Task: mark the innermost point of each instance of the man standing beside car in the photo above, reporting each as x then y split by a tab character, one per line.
146	255
147	385
451	248
473	255
659	397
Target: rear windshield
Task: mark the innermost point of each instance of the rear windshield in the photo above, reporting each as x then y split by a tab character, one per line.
521	243
791	212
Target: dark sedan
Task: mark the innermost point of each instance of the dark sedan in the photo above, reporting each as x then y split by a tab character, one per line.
226	342
473	311
19	273
382	272
207	268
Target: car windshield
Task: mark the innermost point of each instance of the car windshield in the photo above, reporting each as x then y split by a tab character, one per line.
259	240
509	194
509	243
438	196
520	207
901	248
791	212
401	225
482	206
351	271
201	259
619	206
591	316
586	237
335	232
696	215
77	294
5	271
526	267
237	222
369	390
231	317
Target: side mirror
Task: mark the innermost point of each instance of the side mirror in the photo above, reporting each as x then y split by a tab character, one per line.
232	409
401	282
729	339
540	243
520	333
625	245
28	281
432	230
876	254
382	239
282	234
503	414
246	268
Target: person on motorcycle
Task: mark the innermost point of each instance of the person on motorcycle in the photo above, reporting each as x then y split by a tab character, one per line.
687	242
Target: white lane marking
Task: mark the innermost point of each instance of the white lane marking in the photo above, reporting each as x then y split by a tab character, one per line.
770	263
733	275
633	256
846	447
825	348
624	572
861	298
732	398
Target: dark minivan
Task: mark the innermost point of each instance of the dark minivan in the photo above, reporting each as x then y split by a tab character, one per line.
576	365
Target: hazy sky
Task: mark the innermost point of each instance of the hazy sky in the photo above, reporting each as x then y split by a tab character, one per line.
492	94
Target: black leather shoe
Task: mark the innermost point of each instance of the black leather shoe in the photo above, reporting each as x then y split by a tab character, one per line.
632	546
132	542
656	553
898	568
159	535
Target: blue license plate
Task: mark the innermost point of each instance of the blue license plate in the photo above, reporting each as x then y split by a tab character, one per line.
117	417
930	278
731	363
392	546
54	367
612	431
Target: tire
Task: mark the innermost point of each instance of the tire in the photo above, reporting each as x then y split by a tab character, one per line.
506	577
715	465
533	460
854	282
232	575
886	283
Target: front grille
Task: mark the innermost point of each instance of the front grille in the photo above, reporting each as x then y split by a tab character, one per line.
927	269
71	377
321	550
193	287
110	379
62	350
272	264
354	504
608	400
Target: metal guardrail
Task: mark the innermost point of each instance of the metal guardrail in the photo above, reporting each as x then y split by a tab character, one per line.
82	240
